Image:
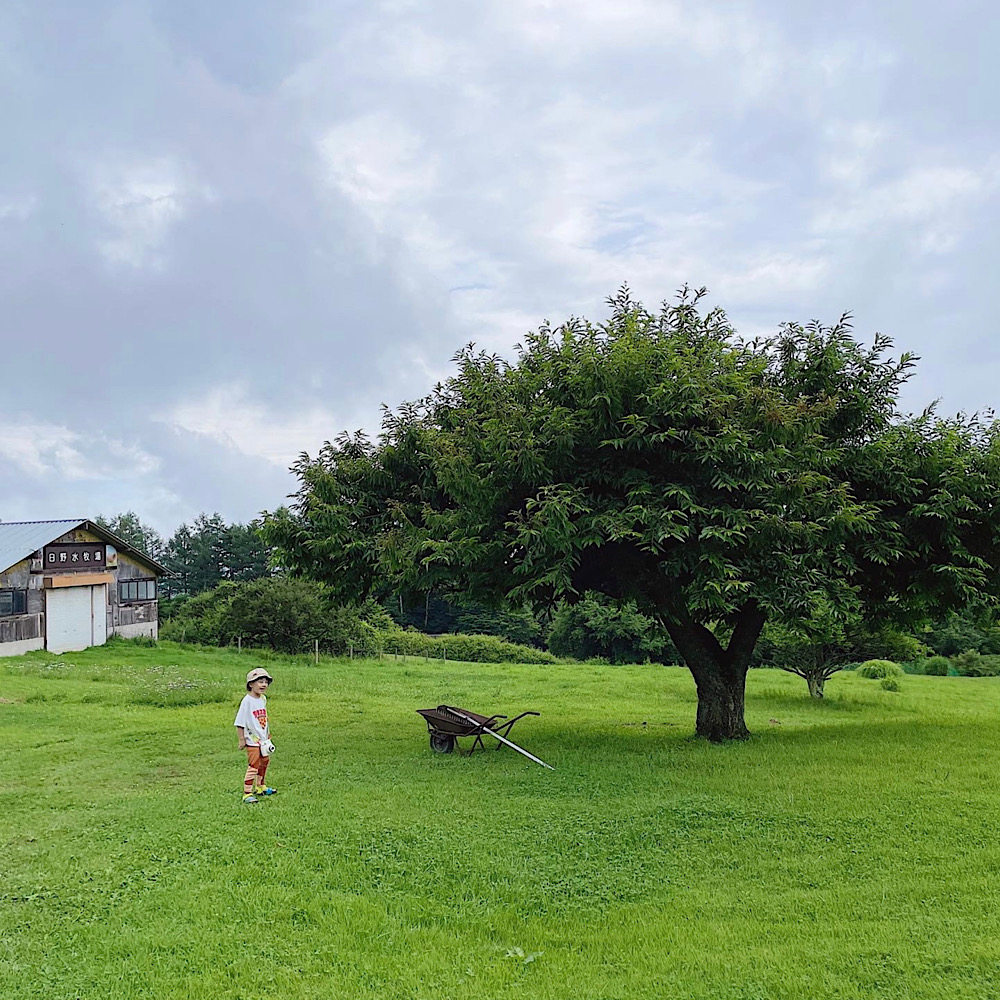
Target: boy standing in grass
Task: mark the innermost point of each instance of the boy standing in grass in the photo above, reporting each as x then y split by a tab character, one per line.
254	734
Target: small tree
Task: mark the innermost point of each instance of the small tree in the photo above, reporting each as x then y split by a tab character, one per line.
813	648
658	458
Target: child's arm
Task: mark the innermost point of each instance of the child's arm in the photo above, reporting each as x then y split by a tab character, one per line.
243	737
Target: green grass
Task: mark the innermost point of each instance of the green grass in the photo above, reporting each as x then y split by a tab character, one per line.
848	850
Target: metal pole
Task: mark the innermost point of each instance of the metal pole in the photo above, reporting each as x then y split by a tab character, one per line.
316	650
502	739
239	644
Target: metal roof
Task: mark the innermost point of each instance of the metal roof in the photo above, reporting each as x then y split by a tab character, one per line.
19	539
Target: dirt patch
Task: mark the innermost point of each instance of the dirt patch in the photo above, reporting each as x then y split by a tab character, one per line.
10	701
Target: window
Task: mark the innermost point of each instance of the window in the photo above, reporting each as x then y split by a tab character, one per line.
13	602
137	590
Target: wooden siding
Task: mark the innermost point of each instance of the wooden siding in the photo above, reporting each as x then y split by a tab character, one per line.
128	612
17	577
20	627
31	625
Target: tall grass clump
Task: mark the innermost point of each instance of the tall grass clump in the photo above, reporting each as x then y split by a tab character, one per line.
877	670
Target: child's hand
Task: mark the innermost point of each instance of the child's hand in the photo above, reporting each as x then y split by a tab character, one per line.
242	745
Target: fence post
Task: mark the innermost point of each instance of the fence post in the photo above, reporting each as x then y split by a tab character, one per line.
444	650
316	650
239	644
350	650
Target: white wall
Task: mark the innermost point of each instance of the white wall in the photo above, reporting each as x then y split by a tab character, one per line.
139	628
21	646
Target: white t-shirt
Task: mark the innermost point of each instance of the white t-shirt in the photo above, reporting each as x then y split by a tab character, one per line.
252	716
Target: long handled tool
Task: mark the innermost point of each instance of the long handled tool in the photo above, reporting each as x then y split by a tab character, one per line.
502	739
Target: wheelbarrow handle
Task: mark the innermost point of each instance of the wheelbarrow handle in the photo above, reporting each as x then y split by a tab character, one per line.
523	714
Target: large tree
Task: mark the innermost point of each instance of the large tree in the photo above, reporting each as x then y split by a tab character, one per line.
659	458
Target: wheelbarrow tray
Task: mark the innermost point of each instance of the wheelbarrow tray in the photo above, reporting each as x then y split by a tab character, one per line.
441	720
446	724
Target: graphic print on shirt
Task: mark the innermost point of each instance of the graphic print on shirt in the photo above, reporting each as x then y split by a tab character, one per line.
260	714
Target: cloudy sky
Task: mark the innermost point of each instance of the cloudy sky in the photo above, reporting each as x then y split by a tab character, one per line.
229	230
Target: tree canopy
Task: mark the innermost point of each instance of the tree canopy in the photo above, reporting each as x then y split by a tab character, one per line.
659	458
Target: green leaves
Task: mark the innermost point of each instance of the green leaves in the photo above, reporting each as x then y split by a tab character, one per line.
659	458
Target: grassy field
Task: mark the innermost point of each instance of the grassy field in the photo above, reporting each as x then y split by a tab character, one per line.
849	850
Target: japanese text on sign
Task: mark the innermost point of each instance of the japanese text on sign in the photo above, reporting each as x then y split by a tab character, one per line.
73	556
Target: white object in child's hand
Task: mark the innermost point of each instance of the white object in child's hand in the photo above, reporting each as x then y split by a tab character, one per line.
266	748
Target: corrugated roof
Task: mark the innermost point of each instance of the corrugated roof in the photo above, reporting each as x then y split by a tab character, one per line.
18	539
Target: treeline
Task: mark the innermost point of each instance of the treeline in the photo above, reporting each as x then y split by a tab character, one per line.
200	555
223	588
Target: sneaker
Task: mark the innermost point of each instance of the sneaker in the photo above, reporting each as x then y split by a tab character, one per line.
249	798
264	790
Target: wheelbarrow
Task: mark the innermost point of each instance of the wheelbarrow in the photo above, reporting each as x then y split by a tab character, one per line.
446	724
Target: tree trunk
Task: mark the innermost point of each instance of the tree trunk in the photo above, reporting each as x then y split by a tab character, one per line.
721	699
816	686
719	674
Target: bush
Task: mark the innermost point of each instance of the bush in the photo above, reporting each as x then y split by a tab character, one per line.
879	669
888	644
291	616
965	630
437	614
286	615
974	664
937	666
889	684
471	648
597	626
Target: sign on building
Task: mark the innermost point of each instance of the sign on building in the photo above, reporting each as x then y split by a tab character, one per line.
73	556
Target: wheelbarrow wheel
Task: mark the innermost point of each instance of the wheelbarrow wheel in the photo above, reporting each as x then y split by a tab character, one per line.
442	743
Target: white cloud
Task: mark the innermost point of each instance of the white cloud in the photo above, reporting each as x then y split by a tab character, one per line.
18	209
139	202
229	416
45	449
931	205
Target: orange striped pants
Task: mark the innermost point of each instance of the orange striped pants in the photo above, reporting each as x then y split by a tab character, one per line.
256	766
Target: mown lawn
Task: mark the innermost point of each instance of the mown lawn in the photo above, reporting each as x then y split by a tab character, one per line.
850	850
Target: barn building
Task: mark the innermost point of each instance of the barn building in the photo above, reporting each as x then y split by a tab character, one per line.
67	585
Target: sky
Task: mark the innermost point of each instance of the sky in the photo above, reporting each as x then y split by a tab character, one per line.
231	230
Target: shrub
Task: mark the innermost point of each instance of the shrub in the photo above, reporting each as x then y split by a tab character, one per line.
889	683
974	664
879	669
937	666
437	614
617	632
889	644
964	630
471	648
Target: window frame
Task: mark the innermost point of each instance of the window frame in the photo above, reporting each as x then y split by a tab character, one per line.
14	591
140	584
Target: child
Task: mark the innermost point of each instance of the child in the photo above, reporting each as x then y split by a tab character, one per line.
255	737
